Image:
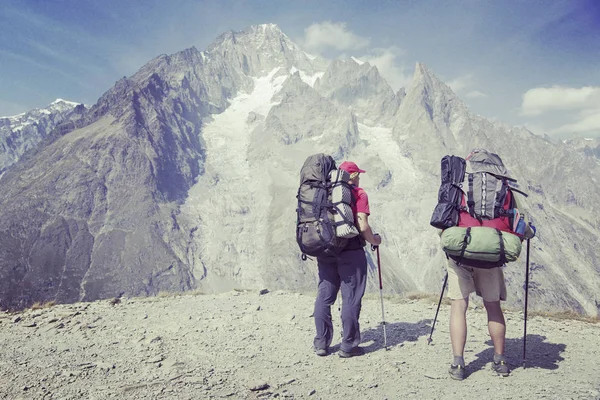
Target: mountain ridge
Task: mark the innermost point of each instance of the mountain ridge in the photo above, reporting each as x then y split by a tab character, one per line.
183	177
24	132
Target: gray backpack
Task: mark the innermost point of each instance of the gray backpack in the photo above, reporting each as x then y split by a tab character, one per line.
486	184
474	190
316	214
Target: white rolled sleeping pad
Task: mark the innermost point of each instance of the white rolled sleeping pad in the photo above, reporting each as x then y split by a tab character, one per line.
341	197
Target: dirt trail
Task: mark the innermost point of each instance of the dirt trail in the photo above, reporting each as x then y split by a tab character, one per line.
251	346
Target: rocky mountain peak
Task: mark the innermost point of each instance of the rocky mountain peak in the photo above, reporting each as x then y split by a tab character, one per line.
265	31
426	82
170	65
190	55
587	146
61	105
292	85
259	49
258	36
358	85
22	133
427	92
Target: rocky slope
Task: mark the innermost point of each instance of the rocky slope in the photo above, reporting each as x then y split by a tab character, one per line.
251	346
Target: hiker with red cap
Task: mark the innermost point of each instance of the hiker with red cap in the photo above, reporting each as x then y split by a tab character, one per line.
348	272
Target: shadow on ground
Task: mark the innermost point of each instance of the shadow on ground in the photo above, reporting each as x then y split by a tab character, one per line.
397	333
540	354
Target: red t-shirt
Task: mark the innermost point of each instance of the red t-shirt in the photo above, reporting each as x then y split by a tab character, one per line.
362	201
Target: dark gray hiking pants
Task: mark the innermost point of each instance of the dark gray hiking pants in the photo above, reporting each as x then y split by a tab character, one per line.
349	272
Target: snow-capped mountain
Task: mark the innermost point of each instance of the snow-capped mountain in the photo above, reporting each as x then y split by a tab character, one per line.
23	132
184	175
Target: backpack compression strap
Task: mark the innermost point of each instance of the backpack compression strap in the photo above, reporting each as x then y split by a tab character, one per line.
502	252
470	199
316	204
465	242
500	199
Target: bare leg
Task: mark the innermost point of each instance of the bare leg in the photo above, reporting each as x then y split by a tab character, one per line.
496	325
458	325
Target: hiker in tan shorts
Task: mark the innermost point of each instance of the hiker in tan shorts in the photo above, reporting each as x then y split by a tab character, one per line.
464	278
476	204
488	283
486	279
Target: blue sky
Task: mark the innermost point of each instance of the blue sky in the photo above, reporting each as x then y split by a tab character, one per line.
533	63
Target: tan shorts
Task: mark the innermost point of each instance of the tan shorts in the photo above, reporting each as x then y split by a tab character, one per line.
486	283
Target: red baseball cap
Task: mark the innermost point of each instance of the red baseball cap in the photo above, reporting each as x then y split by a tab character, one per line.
350	167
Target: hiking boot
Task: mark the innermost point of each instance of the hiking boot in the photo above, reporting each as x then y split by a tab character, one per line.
501	368
320	352
357	351
457	372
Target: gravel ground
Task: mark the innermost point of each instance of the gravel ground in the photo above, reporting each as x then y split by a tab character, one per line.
247	345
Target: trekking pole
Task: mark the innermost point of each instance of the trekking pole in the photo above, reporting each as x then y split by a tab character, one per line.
376	248
526	299
341	320
438	310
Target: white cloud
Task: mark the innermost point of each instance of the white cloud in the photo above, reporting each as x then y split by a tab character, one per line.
559	98
589	123
580	105
460	83
327	35
464	84
330	35
386	61
476	94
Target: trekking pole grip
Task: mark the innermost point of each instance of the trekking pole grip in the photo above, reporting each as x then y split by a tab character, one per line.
373	246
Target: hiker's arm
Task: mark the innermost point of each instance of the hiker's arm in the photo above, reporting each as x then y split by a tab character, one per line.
365	229
530	230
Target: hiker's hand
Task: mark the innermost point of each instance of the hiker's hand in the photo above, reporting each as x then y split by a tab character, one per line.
530	231
533	229
377	236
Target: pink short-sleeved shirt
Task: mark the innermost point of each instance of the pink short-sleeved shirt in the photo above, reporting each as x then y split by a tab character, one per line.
362	201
